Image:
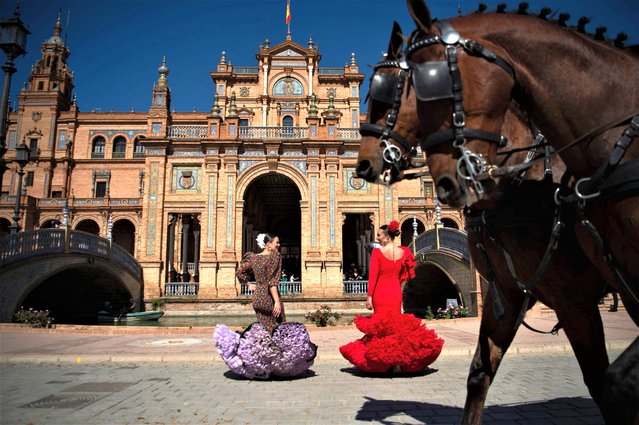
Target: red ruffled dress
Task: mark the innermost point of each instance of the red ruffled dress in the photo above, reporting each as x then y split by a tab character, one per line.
391	339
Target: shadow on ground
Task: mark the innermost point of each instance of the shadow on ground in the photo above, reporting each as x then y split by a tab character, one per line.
532	413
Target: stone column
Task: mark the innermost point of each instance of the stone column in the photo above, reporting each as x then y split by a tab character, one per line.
186	228
196	251
170	249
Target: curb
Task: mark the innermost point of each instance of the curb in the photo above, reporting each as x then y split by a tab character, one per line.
65	359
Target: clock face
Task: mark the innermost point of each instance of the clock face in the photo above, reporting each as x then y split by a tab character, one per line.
159	100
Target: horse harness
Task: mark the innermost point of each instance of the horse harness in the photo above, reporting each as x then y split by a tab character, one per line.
611	179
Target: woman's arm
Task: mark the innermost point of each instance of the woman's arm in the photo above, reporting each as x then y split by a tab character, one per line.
373	272
274	273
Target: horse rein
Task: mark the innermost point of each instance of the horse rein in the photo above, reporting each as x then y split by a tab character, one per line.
470	164
392	154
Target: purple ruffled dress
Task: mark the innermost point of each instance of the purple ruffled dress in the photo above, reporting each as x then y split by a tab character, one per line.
256	354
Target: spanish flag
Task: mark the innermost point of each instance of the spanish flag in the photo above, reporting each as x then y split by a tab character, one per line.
288	12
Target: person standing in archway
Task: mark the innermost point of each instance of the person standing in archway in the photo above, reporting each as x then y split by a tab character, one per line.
266	267
392	341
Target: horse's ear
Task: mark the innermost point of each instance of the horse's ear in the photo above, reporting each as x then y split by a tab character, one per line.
395	43
420	14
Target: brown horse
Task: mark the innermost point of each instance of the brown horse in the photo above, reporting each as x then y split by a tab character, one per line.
524	228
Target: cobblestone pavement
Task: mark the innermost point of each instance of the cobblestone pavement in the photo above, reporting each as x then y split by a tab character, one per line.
529	389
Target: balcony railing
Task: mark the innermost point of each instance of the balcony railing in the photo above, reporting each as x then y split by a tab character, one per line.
181	289
348	133
273	133
285	288
245	69
330	71
188	131
355	287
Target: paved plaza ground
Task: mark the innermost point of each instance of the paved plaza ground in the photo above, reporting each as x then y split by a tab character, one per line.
174	376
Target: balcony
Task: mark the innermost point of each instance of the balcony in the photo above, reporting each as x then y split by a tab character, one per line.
273	133
188	131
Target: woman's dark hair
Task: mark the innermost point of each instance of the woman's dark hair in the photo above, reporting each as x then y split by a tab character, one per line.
390	234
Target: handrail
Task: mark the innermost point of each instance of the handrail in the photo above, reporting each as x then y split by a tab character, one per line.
18	246
453	240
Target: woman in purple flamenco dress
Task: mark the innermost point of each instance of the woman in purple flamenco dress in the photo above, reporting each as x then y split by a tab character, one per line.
392	341
270	346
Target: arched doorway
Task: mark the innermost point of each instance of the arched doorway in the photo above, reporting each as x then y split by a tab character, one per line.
408	230
432	289
357	231
449	222
272	205
88	226
123	234
51	224
4	226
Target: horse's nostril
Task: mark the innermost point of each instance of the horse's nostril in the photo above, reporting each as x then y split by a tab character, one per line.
445	188
363	168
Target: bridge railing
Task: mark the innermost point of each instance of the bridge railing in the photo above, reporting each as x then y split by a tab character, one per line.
285	288
452	240
18	246
352	287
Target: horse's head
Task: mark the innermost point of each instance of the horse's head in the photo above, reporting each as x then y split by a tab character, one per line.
463	91
391	130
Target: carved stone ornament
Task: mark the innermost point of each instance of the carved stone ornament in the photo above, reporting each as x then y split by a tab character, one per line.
186	180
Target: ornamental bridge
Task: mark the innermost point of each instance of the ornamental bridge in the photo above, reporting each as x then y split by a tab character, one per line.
67	272
444	272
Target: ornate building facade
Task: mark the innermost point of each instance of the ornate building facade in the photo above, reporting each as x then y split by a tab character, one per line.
186	193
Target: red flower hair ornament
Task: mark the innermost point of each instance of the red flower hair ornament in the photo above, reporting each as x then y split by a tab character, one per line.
393	226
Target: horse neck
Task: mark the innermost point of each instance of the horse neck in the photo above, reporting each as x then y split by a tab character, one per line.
568	83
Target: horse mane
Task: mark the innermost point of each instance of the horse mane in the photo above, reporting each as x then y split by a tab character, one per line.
547	14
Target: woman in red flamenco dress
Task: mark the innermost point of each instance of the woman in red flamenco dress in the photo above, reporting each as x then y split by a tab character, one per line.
393	341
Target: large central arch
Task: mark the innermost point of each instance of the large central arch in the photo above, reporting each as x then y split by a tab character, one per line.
272	205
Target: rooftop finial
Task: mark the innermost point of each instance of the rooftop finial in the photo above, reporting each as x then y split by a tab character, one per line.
163	70
353	61
310	43
223	58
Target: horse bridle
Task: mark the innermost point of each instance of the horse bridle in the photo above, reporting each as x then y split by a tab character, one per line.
437	80
388	89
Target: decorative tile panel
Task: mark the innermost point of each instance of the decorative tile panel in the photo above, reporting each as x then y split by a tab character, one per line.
213	130
229	211
153	195
313	211
111	133
156	128
300	165
187	153
211	212
331	208
245	165
186	180
353	184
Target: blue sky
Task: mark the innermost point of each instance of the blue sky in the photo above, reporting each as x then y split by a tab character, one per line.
117	45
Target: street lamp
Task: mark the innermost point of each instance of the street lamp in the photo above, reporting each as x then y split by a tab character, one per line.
438	223
22	158
13	41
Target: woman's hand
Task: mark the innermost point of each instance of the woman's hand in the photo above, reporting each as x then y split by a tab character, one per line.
277	309
369	302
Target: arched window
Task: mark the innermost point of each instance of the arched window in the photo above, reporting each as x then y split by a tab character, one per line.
287	123
288	86
97	149
138	148
119	147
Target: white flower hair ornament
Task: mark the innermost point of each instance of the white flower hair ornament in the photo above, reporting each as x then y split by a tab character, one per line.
260	240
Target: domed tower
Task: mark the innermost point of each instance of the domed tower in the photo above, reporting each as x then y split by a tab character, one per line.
159	116
51	77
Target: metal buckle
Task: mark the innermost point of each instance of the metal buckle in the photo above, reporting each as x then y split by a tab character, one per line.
580	195
459	119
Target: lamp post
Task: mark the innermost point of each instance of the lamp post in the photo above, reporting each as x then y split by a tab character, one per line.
22	158
438	223
13	41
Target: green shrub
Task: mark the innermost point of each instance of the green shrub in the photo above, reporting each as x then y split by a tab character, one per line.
452	311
